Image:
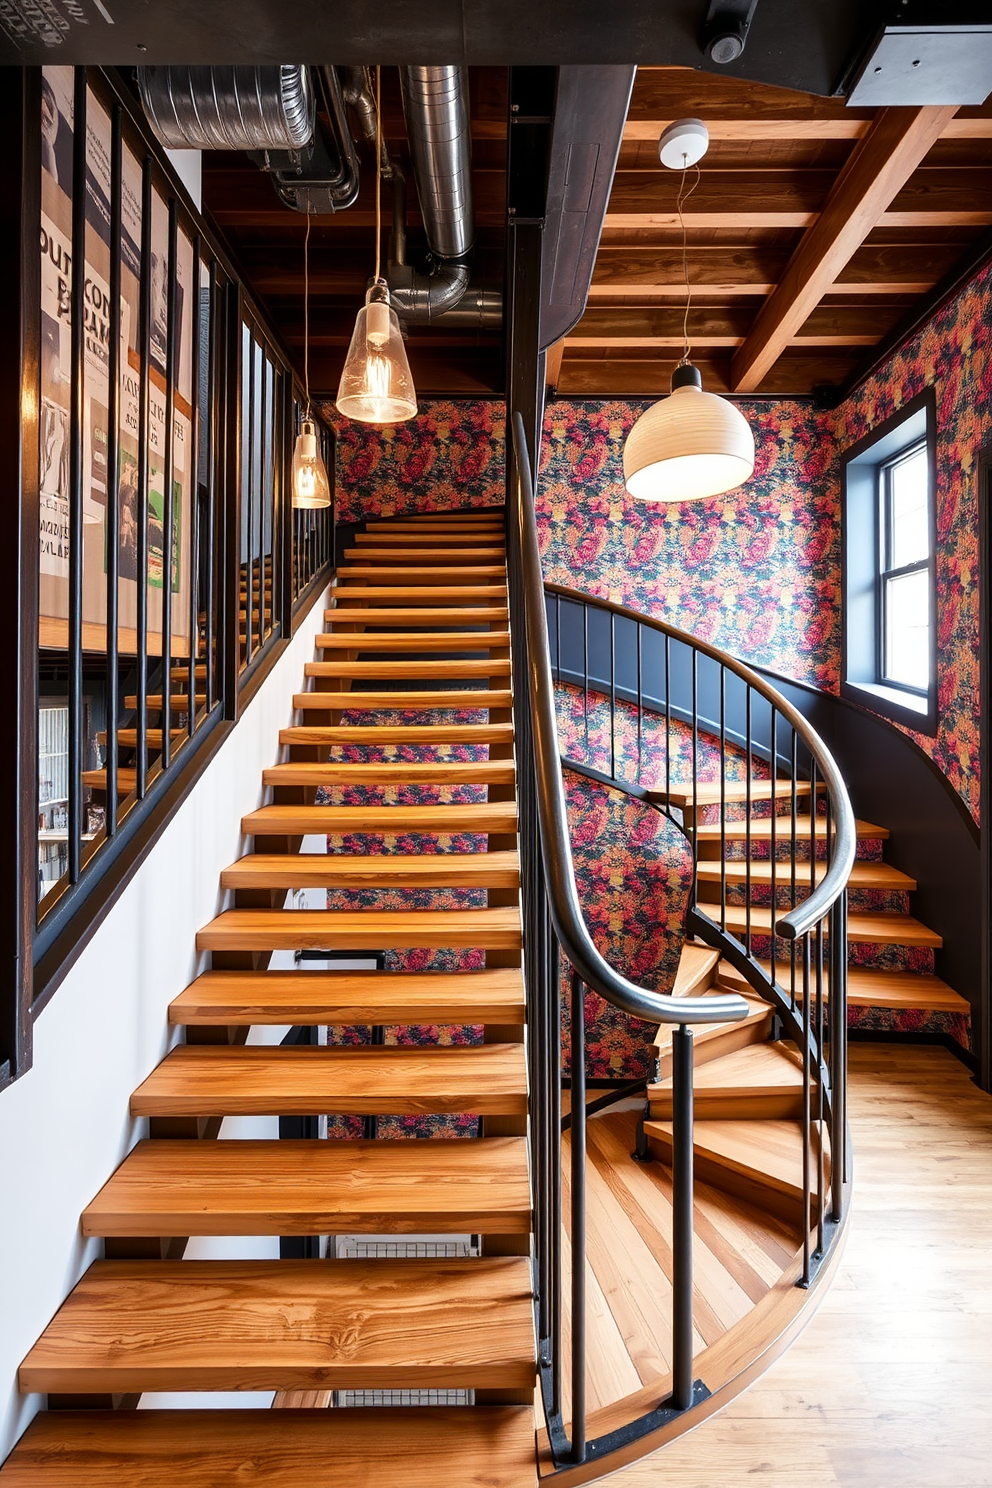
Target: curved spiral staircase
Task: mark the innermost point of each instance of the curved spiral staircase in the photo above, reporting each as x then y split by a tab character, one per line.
414	758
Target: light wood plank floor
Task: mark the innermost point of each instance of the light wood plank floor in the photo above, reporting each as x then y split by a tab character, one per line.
889	1385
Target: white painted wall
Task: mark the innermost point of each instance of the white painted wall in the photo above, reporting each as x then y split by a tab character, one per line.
64	1127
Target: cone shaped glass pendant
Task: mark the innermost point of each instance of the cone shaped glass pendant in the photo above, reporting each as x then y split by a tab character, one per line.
376	386
311	488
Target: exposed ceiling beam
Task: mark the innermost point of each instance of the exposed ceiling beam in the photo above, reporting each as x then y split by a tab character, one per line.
750	130
877	171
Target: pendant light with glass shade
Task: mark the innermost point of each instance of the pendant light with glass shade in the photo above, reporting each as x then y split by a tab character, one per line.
311	488
376	386
691	444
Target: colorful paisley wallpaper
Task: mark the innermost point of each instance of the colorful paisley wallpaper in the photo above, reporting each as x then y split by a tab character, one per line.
756	572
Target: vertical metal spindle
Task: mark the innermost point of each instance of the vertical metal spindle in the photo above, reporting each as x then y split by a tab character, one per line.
640	702
820	1098
168	495
807	1134
248	488
682	1217
723	798
773	838
668	724
558	639
214	383
585	674
695	773
554	1215
747	818
793	891
613	697
578	1181
113	529
144	435
193	461
77	395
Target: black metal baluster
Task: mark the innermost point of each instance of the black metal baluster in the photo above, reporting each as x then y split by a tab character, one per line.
585	674
668	725
794	890
578	1181
144	436
214	384
113	529
640	705
613	697
695	774
168	495
248	488
682	1217
807	1134
723	798
747	818
554	1219
77	395
820	1081
773	840
193	477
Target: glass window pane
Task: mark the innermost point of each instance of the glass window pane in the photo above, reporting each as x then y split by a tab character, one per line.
907	630
909	510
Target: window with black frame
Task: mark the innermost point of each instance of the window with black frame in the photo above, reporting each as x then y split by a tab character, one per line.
890	653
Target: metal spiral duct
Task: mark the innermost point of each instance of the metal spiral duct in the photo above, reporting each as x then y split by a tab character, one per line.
435	103
229	108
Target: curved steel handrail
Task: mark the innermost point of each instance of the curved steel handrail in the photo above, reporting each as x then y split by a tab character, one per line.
556	849
801	917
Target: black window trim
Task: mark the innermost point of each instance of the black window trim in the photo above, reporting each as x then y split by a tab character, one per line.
864	542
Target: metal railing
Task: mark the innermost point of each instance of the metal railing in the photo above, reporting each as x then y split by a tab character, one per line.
559	947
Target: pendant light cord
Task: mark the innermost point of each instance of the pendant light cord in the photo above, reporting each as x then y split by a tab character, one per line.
683	197
306	308
378	170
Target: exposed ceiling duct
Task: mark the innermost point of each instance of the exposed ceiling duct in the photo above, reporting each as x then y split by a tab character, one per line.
270	112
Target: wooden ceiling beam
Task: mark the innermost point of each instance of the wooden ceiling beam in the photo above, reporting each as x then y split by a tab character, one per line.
727	326
873	178
747	130
650	377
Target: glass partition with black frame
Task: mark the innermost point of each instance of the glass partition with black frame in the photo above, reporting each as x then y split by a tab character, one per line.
889	556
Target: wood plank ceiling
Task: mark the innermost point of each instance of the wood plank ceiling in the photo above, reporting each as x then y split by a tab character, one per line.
266	240
812	233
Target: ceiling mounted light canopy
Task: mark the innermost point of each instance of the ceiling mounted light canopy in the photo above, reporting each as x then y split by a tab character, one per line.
376	385
692	444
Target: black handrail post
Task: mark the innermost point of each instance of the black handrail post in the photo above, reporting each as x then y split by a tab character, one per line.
74	629
577	1106
682	1226
113	462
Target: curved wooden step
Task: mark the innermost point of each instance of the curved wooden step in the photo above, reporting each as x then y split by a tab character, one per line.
760	1161
369	702
759	1082
870	988
763	828
346	772
864	875
488	1447
435	735
289	1325
398	670
871	929
711	793
454	641
713	1040
365	1080
381	821
309	998
493	870
468	1186
370	929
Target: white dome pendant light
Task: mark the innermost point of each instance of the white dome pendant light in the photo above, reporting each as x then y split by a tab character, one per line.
691	444
376	385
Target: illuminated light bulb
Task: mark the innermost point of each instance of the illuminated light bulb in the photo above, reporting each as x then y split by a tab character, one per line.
376	386
689	446
311	488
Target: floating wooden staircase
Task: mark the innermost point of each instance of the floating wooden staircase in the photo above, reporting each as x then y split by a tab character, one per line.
144	1319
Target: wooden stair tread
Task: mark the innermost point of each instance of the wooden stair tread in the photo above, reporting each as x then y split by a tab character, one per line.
864	875
289	1324
288	1187
871	928
445	640
761	829
759	1018
426	616
769	1068
348	772
178	701
769	1153
353	1080
401	574
870	988
370	929
696	969
437	735
494	870
710	793
453	699
488	1447
387	821
419	594
309	998
471	554
472	667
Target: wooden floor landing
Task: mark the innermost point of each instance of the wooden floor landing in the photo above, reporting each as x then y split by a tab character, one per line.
888	1386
